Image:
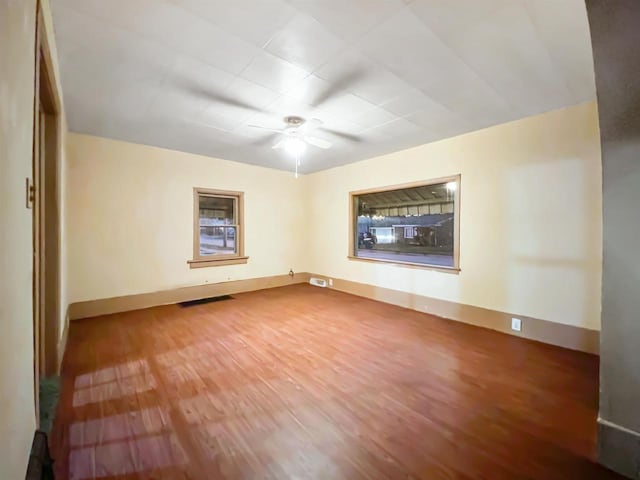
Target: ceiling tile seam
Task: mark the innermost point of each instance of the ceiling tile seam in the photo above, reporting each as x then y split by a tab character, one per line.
348	43
355	94
362	128
153	101
350	92
173	48
236	77
427	96
117	26
92	17
167	71
469	67
366	31
262	50
220	67
357	40
283	28
198	116
287	92
306	70
224	90
277	31
280	95
382	20
227	31
547	52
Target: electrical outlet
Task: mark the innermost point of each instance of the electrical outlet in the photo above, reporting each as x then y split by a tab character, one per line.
516	324
331	282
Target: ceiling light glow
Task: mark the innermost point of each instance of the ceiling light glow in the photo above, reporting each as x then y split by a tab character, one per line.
295	146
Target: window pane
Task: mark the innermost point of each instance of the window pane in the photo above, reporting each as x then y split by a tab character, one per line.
217	240
414	225
217	210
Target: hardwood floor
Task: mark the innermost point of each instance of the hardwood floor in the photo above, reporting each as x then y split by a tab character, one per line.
303	382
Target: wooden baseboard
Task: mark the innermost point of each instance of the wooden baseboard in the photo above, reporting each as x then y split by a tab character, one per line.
106	306
567	336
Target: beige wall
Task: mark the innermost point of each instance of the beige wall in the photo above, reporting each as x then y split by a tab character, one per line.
17	418
531	217
130	214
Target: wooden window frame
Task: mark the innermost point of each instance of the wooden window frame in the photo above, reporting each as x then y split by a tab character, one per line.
351	255
199	261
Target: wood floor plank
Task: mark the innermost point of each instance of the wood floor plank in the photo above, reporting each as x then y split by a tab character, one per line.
303	382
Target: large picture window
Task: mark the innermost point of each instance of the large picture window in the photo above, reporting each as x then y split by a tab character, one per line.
217	228
416	224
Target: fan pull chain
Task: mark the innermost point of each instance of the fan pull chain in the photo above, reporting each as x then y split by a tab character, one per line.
297	163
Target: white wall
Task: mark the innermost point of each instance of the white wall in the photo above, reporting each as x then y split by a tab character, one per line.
531	217
17	414
130	214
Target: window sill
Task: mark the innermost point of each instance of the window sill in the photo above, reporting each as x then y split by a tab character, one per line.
422	266
217	262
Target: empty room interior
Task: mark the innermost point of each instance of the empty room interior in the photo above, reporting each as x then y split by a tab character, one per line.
304	239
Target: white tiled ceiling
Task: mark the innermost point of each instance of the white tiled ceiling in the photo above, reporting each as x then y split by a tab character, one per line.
193	75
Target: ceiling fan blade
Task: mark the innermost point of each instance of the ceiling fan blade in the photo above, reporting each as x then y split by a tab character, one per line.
278	145
346	136
206	93
318	142
279	130
203	125
263	141
311	124
232	102
342	83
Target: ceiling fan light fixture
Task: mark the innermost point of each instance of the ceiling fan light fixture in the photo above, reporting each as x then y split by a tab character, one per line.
295	146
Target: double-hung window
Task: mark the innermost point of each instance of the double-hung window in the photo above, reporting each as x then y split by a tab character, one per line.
218	233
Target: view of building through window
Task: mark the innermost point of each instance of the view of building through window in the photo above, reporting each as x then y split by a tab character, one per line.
218	225
410	225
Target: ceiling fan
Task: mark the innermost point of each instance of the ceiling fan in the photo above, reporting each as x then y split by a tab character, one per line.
295	136
296	133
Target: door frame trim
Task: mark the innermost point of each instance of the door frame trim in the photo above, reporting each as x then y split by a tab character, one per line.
47	101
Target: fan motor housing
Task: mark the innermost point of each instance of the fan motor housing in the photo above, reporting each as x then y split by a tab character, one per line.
294	120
